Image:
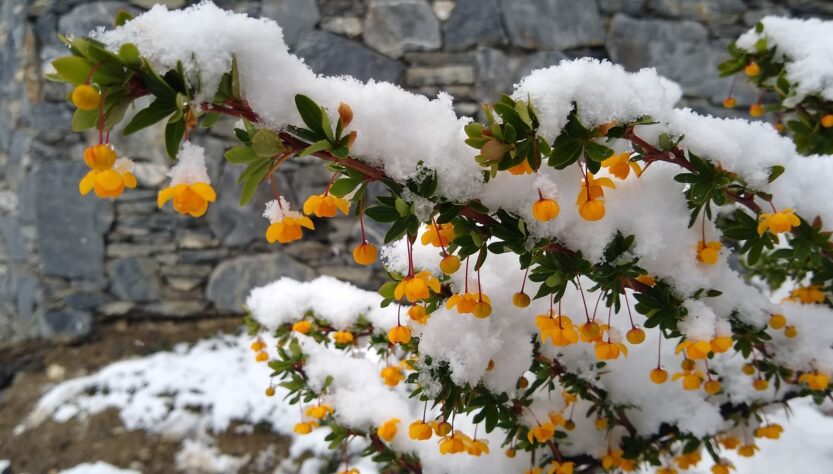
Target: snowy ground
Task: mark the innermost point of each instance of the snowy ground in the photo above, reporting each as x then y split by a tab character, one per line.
194	391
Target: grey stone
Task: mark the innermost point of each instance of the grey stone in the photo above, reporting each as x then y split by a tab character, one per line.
69	226
134	279
680	50
86	301
232	280
237	225
85	18
51	121
13	239
552	24
343	25
333	55
67	323
443	8
178	309
296	17
342	8
395	26
631	7
358	275
168	3
498	71
474	23
710	11
429	76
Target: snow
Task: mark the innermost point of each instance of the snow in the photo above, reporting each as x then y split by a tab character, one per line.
802	45
98	467
190	166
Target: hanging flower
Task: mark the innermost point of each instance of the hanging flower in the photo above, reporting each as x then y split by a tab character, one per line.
109	182
590	199
391	375
438	235
778	222
325	205
285	225
708	252
387	430
416	287
85	97
621	166
190	187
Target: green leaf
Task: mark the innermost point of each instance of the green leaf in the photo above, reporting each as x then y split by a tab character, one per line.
84	119
315	148
266	143
241	154
325	125
122	17
397	230
129	53
597	152
174	131
387	290
775	172
382	213
210	118
566	151
73	69
252	182
344	186
148	116
235	78
402	207
310	113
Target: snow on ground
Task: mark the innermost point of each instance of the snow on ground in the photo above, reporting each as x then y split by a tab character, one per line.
233	391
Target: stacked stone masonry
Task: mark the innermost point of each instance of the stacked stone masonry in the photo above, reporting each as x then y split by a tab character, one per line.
67	261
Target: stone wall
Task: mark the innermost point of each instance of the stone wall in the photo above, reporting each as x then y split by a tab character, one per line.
68	261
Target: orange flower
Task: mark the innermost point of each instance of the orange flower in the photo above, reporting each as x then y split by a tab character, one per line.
110	182
416	287
365	254
708	252
608	350
418	313
85	97
590	199
399	335
285	224
438	235
559	330
191	199
621	166
521	168
391	375
694	350
545	209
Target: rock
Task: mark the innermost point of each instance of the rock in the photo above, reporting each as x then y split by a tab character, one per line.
343	25
395	26
50	120
56	372
134	279
232	280
709	11
679	50
116	308
342	8
333	55
69	226
236	225
498	71
552	24
13	239
444	75
473	23
310	178
67	323
150	175
631	7
443	8
296	17
85	18
85	300
358	275
171	4
177	308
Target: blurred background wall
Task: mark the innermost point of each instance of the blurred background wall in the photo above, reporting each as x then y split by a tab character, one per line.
68	262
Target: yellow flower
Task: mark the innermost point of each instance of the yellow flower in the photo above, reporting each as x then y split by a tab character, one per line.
108	183
561	467
756	110
270	391
320	411
450	264
712	387
545	209
391	375
100	157
477	447
86	97
590	332
191	199
815	380
777	321
466	302
694	350
647	280
418	313
258	345
387	430
482	308
415	288
635	336
305	427
521	168
520	299
747	450
559	330
343	337
686	461
365	254
708	252
826	120
541	433
399	335
325	205
807	295
261	356
721	344
452	445
621	166
790	331
772	431
419	430
431	236
607	350
352	470
556	418
760	384
441	428
778	222
730	442
721	468
288	229
692	379
659	376
612	459
302	326
590	198
752	69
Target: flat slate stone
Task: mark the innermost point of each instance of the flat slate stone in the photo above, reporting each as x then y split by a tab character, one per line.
552	24
474	23
497	71
232	280
296	17
333	55
235	225
134	279
67	323
393	27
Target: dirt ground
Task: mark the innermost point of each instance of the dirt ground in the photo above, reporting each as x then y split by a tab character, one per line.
28	369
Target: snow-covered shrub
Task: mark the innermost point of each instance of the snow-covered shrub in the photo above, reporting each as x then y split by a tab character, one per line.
513	317
790	59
